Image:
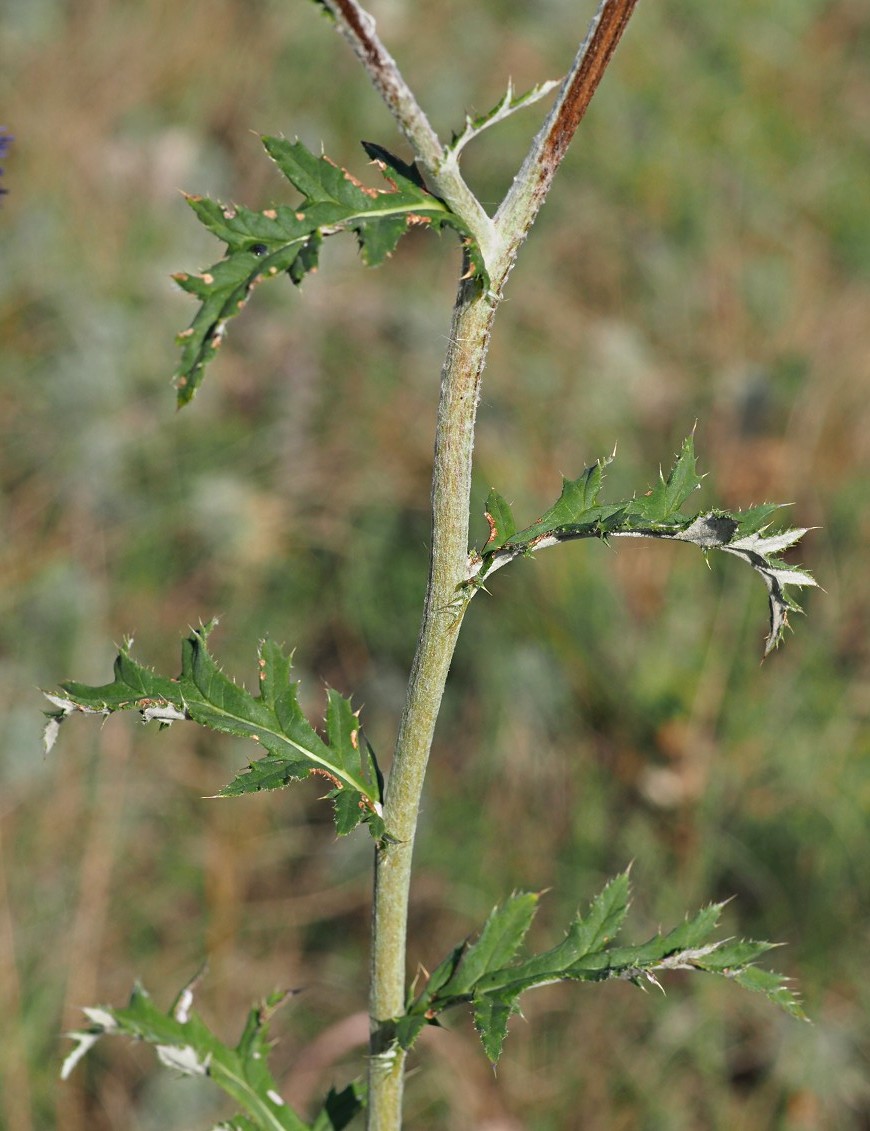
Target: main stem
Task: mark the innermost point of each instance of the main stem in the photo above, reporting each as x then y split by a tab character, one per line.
499	240
451	489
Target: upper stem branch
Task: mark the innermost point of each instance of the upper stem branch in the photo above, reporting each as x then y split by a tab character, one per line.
531	185
358	28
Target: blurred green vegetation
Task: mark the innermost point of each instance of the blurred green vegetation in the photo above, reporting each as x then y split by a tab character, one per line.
704	256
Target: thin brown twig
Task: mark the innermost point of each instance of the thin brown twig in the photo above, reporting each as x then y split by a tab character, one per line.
532	184
580	85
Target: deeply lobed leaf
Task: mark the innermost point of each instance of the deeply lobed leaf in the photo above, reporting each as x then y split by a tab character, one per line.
286	239
184	1043
579	513
273	719
487	975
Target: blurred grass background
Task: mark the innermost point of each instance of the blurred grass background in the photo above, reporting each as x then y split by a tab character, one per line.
704	256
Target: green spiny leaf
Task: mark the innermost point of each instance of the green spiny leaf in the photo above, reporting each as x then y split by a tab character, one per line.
772	985
501	521
408	1028
444	971
757	518
491	1016
341	1108
502	934
273	719
404	177
132	685
585	955
736	959
348	810
575	507
588	933
664	500
264	244
579	513
342	729
184	1043
506	106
